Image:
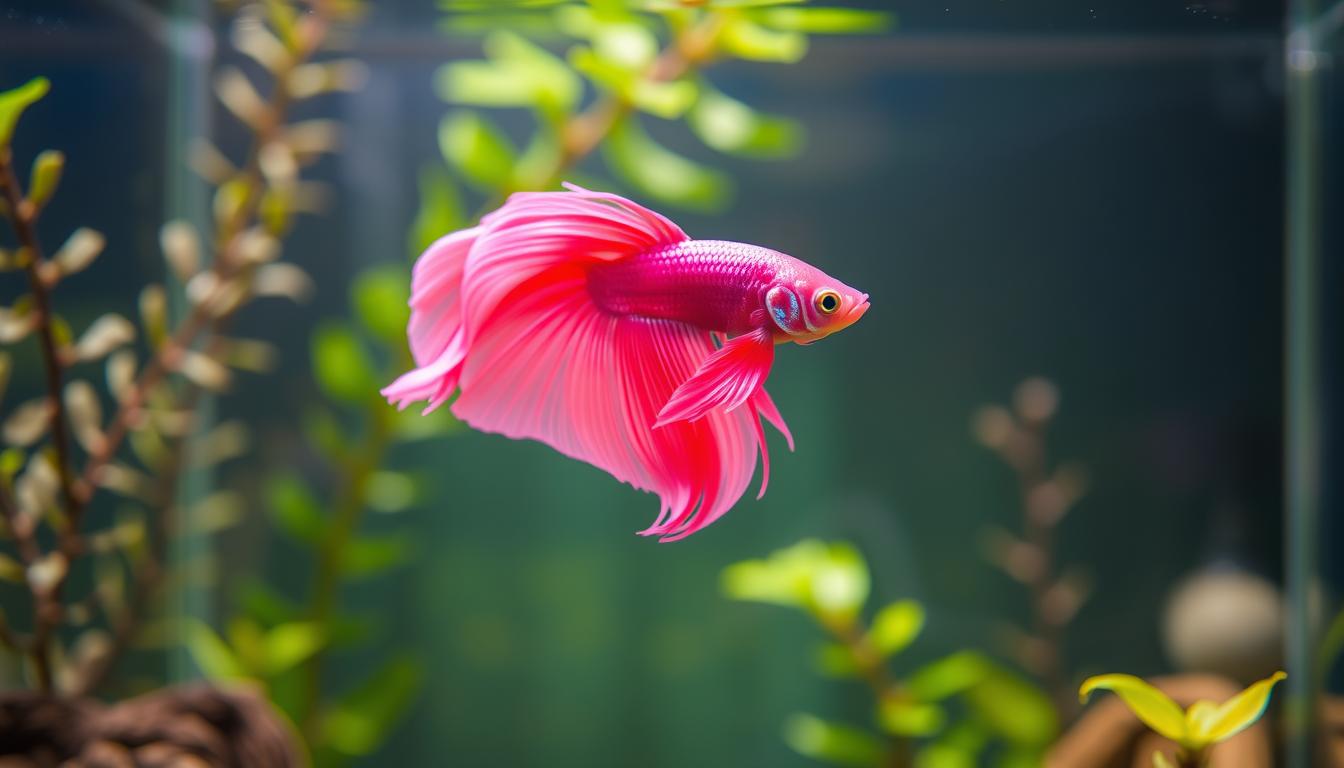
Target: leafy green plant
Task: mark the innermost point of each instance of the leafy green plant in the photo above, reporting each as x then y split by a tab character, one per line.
92	577
948	713
624	62
1195	730
286	641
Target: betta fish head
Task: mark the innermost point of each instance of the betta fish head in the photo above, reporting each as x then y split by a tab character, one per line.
809	304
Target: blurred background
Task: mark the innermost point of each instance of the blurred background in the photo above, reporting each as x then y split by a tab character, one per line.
1096	193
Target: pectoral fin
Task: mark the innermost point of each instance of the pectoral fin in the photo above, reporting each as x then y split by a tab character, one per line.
726	379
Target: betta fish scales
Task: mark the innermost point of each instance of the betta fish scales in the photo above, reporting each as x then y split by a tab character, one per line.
592	324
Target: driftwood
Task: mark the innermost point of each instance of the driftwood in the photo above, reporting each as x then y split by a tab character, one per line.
193	726
1108	735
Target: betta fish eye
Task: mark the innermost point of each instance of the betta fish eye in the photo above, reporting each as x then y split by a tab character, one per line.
827	302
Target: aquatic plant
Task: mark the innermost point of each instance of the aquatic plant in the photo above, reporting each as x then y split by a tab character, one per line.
287	641
1196	729
156	406
154	399
624	59
1048	492
947	713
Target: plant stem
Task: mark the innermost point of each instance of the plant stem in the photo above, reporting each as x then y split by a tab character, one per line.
332	554
874	672
46	600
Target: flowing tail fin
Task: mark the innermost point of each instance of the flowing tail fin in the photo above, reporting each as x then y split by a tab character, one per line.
502	311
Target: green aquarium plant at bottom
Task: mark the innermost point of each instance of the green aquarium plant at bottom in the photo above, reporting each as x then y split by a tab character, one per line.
954	712
1197	729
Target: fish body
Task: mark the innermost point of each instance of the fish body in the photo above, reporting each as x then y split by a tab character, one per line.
716	285
598	327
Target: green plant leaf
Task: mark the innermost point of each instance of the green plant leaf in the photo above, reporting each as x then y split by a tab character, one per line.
477	149
440	209
46	176
824	21
246	640
944	756
947	676
341	364
389	491
287	645
379	296
964	740
748	40
1020	757
828	579
1013	707
1152	706
369	555
907	717
831	742
896	626
14	102
662	174
210	652
364	717
1237	713
836	660
728	125
411	424
258	600
294	508
516	74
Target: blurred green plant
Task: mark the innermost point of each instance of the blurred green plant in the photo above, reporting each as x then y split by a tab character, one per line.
285	642
623	61
948	713
1196	729
1017	434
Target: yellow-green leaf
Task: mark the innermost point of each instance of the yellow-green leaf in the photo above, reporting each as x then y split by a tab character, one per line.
824	21
748	40
729	125
440	209
210	652
1013	707
360	722
477	149
659	173
1160	760
947	676
1150	705
379	297
14	102
1239	712
294	508
291	643
46	176
834	743
905	717
896	626
342	365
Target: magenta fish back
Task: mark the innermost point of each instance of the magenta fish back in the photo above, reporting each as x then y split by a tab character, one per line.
503	313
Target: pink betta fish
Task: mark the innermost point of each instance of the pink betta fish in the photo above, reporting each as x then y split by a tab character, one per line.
598	327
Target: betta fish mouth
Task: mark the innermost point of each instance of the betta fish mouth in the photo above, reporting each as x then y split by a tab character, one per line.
855	312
